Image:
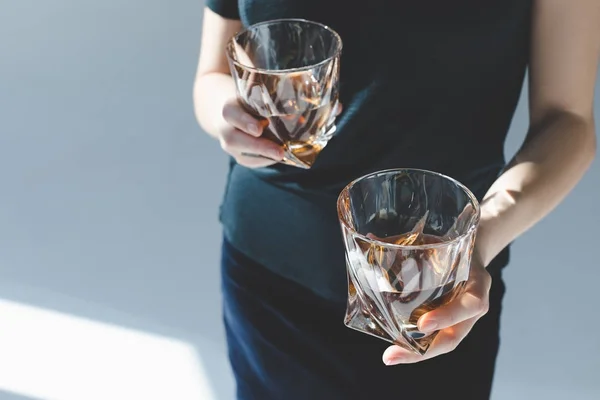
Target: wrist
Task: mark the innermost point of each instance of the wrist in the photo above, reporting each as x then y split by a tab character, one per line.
211	92
481	249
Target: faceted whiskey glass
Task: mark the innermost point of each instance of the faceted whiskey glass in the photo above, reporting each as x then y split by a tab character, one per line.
409	236
286	74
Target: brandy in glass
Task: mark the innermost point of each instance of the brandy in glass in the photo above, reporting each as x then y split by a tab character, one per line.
409	236
286	73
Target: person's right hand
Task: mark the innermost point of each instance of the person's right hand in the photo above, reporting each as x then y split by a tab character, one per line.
240	137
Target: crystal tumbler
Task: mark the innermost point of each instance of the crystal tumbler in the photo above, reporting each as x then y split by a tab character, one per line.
409	236
286	74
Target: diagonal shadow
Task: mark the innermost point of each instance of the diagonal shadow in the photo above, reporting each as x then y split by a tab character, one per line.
4	395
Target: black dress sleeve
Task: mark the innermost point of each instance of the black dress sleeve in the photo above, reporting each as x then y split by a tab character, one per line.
225	8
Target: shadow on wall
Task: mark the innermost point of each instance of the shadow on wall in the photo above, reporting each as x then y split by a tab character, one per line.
12	396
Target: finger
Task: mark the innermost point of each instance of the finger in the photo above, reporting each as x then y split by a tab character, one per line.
236	142
446	341
338	109
471	303
235	115
254	161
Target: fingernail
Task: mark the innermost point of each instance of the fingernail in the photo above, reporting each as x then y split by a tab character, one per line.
392	361
253	129
428	326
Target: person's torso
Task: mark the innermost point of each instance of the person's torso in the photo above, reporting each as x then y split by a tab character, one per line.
428	84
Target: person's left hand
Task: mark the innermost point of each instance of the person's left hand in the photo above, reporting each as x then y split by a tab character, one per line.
454	320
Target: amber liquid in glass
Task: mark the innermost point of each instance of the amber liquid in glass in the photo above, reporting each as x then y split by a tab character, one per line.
299	132
407	301
294	112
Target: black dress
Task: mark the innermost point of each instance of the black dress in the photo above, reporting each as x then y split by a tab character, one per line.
425	84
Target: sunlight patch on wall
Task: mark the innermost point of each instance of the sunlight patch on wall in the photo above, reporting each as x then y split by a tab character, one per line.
54	356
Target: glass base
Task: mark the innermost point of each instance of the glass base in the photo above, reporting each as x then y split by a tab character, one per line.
361	321
304	154
409	237
358	317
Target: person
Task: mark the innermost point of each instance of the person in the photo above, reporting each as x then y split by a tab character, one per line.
430	85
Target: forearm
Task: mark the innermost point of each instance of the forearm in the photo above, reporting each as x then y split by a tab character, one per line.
557	152
211	91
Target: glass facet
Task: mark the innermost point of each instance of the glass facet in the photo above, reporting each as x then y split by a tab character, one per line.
409	236
286	73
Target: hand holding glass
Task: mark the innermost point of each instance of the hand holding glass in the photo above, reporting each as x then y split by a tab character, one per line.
286	72
409	235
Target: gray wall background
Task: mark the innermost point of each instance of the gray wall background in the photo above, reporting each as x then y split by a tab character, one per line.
108	214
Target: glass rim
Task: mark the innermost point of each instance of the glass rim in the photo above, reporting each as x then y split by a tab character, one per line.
247	29
446	243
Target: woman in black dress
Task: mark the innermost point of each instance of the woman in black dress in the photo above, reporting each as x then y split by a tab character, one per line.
427	84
